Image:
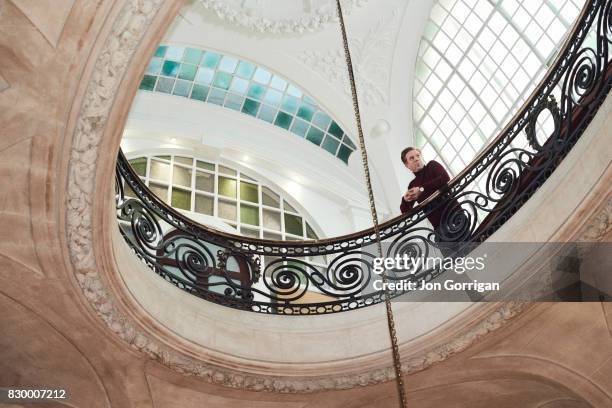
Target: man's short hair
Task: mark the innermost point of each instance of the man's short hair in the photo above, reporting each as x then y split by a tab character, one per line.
405	151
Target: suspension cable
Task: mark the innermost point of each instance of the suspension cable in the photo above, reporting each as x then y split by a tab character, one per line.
364	159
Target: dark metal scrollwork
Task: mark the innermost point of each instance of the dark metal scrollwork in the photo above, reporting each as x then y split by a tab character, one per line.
472	207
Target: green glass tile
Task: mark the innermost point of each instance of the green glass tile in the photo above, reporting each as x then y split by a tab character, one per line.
290	104
272	219
293	225
245	69
216	96
182	88
154	66
256	91
262	76
199	92
306	111
234	101
283	120
288	207
315	135
163	157
148	83
164	85
181	199
227	210
239	85
335	130
273	97
183	160
228	64
249	192
170	68
139	165
222	80
174	53
267	113
249	215
270	198
205	165
188	72
348	142
330	144
294	91
210	60
204	76
250	107
203	204
321	120
161	51
310	232
227	187
299	127
278	83
181	176
227	170
344	153
192	56
205	181
309	100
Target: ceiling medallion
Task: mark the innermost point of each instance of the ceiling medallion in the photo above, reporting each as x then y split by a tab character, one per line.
279	16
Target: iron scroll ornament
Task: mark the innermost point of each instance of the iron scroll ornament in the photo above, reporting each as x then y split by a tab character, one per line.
473	205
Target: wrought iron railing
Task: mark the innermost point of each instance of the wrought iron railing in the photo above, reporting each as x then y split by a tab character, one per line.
227	269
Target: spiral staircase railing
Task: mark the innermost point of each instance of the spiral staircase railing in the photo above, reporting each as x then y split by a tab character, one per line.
227	270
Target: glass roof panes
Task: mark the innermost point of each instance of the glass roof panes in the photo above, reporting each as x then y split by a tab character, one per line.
478	61
223	192
244	87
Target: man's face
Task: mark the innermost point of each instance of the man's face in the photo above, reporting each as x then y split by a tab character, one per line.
413	161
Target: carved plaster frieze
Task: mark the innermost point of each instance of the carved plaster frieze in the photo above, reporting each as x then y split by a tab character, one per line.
252	15
599	226
110	67
371	56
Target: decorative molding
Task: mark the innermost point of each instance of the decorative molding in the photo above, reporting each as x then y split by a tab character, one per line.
599	226
235	12
371	57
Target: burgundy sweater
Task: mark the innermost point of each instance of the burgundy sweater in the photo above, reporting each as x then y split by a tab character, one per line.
432	177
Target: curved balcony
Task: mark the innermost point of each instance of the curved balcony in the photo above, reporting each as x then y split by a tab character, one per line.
473	206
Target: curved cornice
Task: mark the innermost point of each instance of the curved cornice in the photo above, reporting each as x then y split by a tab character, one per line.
128	31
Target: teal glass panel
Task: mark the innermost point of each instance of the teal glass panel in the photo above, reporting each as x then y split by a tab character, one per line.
222	80
182	88
245	69
204	76
227	187
267	113
335	130
239	85
294	91
306	111
216	96
283	120
139	165
262	76
309	100
175	53
154	66
249	192
181	199
344	153
348	142
210	60
321	120
330	144
199	92
164	85
228	64
148	83
315	135
161	51
257	91
188	72
278	83
170	68
234	101
299	127
192	56
290	104
251	107
273	97
293	225
249	215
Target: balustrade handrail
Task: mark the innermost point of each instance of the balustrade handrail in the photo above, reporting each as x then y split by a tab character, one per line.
579	77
